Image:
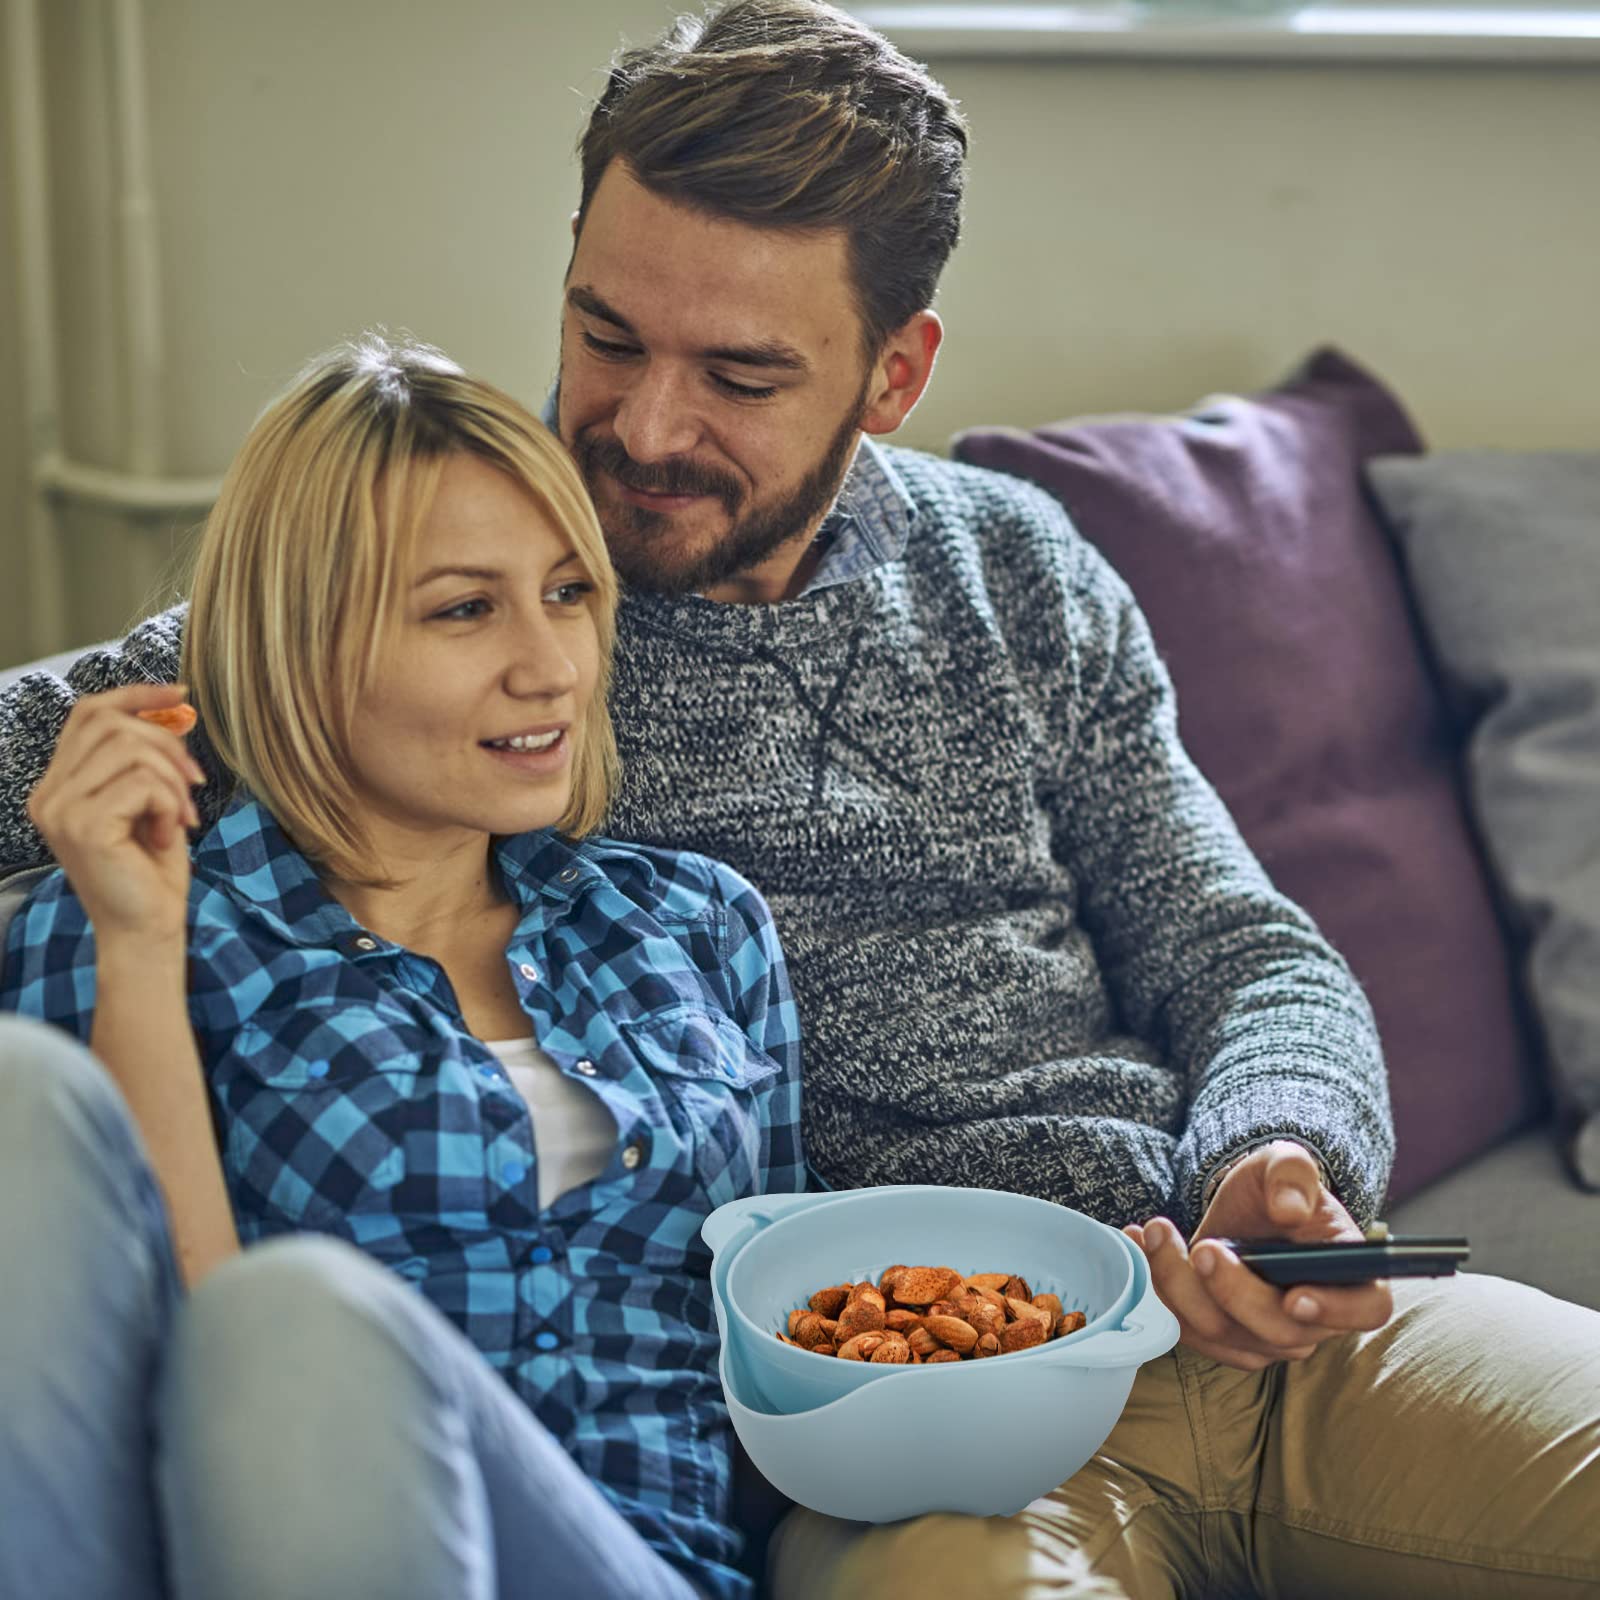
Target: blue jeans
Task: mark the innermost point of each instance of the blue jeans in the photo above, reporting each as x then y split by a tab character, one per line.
302	1425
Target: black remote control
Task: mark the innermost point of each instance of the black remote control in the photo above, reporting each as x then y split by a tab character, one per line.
1379	1255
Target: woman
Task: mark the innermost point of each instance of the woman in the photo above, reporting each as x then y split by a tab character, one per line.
426	1015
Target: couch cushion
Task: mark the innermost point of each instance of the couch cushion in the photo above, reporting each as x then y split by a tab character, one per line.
1503	552
15	887
56	664
1521	1215
1305	697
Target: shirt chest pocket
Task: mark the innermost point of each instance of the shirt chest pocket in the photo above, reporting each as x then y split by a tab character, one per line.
333	1120
713	1085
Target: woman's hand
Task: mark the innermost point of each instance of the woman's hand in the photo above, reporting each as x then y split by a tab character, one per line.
1226	1311
114	806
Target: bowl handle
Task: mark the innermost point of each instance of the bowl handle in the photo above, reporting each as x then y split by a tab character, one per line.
1148	1330
740	1219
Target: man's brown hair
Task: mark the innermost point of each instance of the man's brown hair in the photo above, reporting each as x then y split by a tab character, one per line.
790	114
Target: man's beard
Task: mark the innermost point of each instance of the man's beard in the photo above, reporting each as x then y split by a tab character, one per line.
636	536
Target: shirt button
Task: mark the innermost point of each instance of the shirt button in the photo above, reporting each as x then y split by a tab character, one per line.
569	875
540	1254
364	943
513	1172
529	971
547	1341
317	1069
632	1156
587	1068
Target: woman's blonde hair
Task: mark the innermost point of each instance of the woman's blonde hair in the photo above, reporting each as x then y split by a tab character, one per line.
301	568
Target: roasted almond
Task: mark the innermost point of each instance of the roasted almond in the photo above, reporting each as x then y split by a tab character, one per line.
1070	1322
830	1302
921	1286
922	1342
988	1280
810	1329
992	1297
1017	1289
1022	1334
988	1345
1026	1311
1050	1303
952	1332
864	1314
985	1318
903	1321
892	1352
940	1355
860	1348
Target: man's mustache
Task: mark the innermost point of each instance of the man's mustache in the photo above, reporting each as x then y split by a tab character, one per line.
665	477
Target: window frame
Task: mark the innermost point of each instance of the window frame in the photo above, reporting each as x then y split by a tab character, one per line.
1545	32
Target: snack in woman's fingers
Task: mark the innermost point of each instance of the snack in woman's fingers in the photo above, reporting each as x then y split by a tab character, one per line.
178	719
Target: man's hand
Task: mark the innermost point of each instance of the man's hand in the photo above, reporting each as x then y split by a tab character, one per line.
1226	1311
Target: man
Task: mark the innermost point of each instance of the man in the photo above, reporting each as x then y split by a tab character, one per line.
1029	947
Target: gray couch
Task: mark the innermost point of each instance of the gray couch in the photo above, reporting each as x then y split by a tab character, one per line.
1388	663
1516	1201
1501	555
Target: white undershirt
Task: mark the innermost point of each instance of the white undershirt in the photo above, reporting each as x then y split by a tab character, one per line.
574	1135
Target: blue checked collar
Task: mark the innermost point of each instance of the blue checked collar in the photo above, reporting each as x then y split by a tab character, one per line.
870	521
868	525
248	855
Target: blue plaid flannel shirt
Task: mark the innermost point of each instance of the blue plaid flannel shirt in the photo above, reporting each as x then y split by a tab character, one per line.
351	1100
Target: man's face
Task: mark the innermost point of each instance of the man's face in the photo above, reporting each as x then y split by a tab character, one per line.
712	389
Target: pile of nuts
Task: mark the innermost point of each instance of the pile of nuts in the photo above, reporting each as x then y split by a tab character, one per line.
922	1315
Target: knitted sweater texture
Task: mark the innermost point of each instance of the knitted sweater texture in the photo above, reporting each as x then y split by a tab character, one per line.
1029	947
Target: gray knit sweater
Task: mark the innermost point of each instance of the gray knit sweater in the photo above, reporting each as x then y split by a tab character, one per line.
1029	947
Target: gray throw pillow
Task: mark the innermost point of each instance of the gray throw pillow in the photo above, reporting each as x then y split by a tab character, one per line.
1503	553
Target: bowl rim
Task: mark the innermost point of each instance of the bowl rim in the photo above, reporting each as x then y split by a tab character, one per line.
786	1353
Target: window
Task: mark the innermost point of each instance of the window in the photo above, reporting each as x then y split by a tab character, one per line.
1554	31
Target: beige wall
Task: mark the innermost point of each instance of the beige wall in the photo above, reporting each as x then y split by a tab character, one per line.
1141	235
1137	235
13	446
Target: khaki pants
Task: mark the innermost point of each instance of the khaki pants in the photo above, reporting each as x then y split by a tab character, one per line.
1456	1452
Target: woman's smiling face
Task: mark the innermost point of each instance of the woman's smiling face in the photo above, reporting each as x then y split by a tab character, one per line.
472	721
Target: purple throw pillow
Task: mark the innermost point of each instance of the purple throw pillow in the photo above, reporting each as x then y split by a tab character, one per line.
1305	697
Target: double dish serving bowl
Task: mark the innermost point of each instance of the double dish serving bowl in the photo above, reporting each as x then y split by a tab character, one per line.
876	1443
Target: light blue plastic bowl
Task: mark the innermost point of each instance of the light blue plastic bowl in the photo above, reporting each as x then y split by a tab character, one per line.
853	1440
800	1243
